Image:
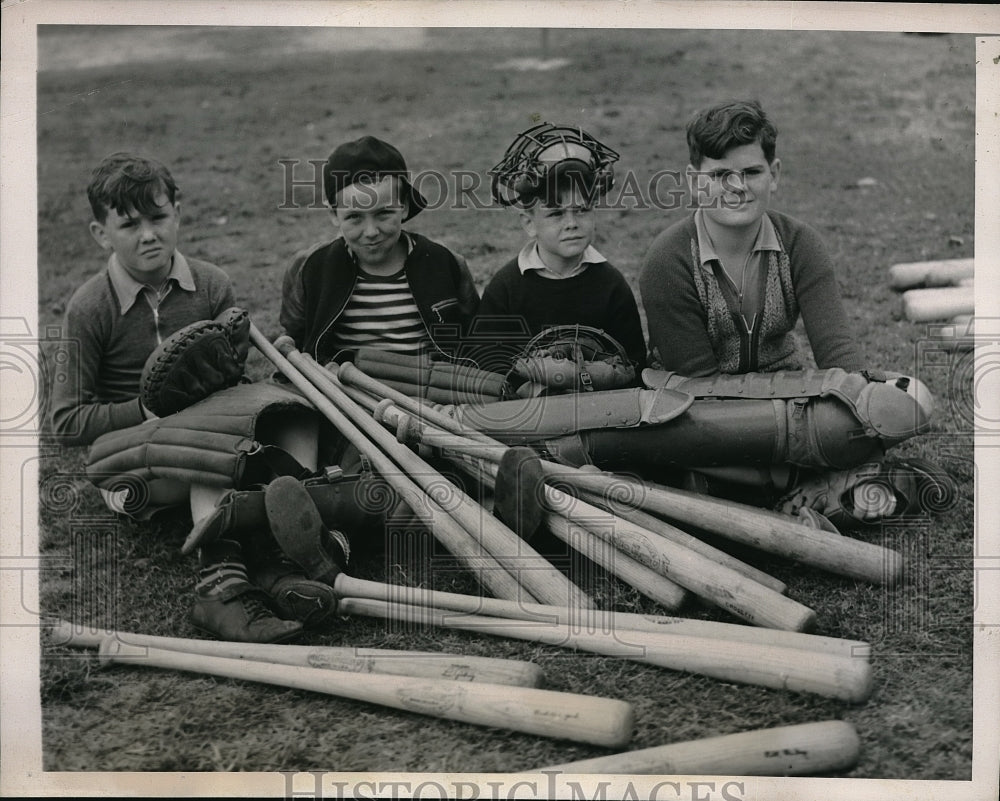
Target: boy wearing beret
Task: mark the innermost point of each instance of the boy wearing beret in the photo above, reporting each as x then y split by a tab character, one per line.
376	284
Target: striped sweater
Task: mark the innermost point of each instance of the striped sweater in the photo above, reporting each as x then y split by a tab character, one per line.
381	312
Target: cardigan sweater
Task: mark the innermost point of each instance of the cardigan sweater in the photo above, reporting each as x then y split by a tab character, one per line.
96	389
599	297
320	280
693	331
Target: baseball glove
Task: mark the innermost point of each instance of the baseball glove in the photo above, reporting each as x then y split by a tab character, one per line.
195	362
573	358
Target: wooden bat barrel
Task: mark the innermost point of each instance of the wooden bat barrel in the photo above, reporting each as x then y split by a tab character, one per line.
927	305
947	272
583	718
805	749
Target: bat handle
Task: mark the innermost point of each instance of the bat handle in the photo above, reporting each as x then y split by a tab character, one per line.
76	635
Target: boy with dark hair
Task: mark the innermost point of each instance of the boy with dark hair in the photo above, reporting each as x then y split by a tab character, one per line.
554	175
117	318
148	291
724	288
375	285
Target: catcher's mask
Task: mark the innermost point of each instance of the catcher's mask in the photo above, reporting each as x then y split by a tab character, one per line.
546	157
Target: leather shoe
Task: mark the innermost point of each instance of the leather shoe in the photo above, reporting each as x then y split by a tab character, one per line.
243	618
296	597
300	532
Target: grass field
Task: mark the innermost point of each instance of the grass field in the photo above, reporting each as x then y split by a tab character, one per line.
849	106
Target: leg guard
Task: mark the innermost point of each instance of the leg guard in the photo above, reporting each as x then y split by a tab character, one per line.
354	504
811	418
532	419
437	381
889	406
818	432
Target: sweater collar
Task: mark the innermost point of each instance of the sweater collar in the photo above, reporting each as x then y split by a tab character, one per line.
767	239
127	288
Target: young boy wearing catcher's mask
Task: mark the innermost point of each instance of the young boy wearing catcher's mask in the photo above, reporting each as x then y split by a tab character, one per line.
554	176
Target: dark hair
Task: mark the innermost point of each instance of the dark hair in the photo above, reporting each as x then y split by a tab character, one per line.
712	132
126	182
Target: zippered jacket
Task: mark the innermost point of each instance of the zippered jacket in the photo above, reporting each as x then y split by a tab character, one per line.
319	282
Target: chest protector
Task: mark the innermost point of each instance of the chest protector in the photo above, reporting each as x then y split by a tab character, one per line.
215	442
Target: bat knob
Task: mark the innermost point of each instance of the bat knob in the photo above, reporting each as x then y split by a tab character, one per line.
408	430
112	649
284	345
382	408
108	650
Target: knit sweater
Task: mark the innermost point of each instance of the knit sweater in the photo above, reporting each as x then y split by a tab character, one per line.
693	332
599	297
97	390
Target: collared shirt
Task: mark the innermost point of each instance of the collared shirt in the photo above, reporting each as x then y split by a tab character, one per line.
530	259
128	289
748	292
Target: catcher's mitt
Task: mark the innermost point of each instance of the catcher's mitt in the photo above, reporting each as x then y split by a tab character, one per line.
196	361
573	358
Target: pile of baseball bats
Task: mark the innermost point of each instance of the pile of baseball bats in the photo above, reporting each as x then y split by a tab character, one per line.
483	691
535	602
627	526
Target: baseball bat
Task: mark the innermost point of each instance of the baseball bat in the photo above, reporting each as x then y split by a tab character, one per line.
595	619
926	305
569	716
701	574
769	531
350	374
421	664
539	578
721	585
637	575
647	581
804	749
445	528
657	526
744	663
947	272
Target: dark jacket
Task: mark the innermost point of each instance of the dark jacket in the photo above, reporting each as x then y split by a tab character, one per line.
319	282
